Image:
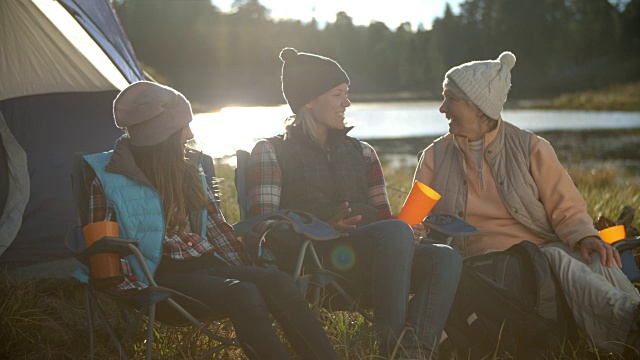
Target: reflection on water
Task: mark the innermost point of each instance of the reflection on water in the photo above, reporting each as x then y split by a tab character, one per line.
221	134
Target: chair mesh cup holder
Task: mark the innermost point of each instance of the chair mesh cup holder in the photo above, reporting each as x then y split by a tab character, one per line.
104	266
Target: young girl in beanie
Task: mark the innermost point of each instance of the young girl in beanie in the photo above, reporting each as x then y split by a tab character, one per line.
510	185
159	198
316	167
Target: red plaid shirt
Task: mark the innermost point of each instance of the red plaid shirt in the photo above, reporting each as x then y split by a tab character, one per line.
266	186
182	245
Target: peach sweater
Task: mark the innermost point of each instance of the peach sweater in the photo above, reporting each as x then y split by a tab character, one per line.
565	207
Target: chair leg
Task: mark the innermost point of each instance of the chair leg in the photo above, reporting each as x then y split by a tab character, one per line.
301	255
105	322
316	261
151	320
87	301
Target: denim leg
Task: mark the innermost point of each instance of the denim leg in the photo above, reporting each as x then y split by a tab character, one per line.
434	279
376	258
286	303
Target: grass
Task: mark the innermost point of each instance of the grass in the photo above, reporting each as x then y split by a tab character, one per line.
621	97
45	319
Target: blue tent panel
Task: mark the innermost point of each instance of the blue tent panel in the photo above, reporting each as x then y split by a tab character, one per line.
99	20
68	122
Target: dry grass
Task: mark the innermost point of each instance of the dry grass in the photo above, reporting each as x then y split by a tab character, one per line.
622	97
46	319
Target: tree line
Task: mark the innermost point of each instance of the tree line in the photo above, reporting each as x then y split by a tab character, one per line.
218	58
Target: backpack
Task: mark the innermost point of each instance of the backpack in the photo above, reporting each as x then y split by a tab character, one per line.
508	304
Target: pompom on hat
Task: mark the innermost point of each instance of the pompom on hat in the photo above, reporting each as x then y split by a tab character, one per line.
307	76
486	83
151	112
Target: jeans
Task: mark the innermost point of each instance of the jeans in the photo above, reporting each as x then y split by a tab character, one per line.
384	265
249	301
435	274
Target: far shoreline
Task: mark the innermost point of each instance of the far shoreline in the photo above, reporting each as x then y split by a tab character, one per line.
591	148
617	97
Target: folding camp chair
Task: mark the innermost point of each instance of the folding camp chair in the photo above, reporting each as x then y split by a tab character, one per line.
627	250
145	302
309	273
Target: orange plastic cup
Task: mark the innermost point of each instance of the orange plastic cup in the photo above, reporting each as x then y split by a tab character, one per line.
419	203
613	234
103	266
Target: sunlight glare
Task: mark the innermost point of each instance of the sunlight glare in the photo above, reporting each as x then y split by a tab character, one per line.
237	128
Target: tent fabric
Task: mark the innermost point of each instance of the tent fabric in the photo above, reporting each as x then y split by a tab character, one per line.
102	24
50	128
45	50
18	186
62	63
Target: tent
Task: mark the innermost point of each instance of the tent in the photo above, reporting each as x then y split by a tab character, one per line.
62	63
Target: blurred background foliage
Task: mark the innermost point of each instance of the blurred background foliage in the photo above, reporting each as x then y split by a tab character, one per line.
218	58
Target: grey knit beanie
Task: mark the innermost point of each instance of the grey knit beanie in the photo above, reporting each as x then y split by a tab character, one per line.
151	112
486	83
307	76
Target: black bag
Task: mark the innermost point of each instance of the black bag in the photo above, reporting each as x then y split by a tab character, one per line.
508	304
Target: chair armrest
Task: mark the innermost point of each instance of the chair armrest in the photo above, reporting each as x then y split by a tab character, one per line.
449	225
112	245
106	245
627	244
300	222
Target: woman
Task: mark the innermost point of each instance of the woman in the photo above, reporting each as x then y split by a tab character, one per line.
316	167
160	199
510	185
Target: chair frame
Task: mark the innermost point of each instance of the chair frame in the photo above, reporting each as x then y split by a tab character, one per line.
630	261
152	296
308	262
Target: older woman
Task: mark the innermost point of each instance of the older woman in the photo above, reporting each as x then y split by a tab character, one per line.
509	184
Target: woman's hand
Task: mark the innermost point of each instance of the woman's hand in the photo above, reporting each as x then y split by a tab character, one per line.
607	253
419	231
341	222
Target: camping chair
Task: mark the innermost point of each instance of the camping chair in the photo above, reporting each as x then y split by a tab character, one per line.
144	302
309	269
309	273
627	250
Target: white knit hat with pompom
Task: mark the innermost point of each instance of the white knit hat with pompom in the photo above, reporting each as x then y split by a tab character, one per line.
486	83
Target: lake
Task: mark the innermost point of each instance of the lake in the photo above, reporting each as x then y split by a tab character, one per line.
220	134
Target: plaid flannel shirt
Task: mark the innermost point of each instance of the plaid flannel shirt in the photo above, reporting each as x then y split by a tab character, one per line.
182	245
266	181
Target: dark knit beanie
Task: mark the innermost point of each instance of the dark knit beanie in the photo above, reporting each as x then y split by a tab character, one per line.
307	76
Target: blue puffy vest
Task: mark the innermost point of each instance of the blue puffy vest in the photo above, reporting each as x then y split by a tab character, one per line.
139	211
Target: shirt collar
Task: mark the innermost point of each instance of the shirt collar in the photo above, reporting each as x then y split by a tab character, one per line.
488	137
333	137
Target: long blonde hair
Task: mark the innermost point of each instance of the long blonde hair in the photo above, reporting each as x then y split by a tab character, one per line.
176	179
305	121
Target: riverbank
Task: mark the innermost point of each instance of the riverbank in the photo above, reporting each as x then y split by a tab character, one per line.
619	148
619	97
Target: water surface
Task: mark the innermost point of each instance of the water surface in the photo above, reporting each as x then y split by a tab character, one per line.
220	134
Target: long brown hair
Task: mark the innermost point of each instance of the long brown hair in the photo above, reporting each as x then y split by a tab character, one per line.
177	179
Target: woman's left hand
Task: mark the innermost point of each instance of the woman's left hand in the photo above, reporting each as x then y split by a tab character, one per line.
607	253
419	231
